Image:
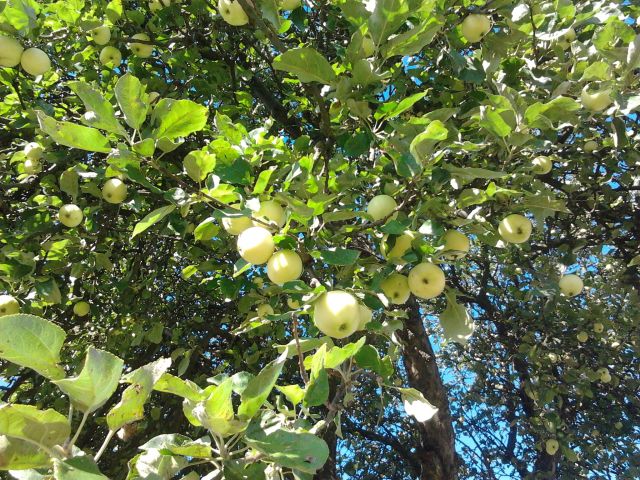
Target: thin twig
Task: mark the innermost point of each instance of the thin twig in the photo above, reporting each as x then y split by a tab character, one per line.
303	371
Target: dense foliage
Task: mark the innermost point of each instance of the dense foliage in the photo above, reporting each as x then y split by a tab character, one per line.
138	139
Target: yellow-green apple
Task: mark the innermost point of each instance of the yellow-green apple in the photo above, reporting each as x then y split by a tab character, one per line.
381	206
114	190
10	51
142	50
570	285
337	314
598	327
541	165
70	215
284	266
236	225
590	146
605	376
271	212
365	316
582	337
256	245
110	56
232	12
264	309
515	228
35	62
456	245
475	26
81	309
31	167
100	35
400	248
8	305
552	446
596	101
396	288
426	280
33	151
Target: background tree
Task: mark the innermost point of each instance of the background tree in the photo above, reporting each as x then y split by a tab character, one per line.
139	139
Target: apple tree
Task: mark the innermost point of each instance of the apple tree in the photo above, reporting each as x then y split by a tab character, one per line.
284	239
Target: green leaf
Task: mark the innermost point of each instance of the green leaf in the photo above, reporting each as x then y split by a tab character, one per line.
19	454
100	113
198	164
387	17
96	382
367	357
151	219
544	115
307	64
468	174
260	387
422	145
456	322
298	450
493	122
114	10
294	393
132	99
338	355
340	256
178	118
176	444
393	109
77	468
32	342
44	427
414	40
407	166
416	405
49	292
547	202
263	180
206	230
317	390
131	406
72	135
217	413
176	386
69	182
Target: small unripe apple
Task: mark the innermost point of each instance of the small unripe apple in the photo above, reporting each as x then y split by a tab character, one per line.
475	26
33	151
570	35
597	101
8	305
264	309
400	248
271	212
369	48
290	4
70	215
381	206
232	12
10	51
236	225
598	327
142	50
114	190
590	146
456	245
605	376
284	266
582	337
81	309
618	425
541	165
396	288
100	35
571	285
515	228
426	280
110	56
552	446
365	316
35	62
337	314
256	245
31	167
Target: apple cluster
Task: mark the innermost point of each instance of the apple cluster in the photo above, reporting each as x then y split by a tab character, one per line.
32	60
110	55
232	12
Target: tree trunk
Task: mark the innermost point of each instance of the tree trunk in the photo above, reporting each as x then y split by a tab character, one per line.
437	454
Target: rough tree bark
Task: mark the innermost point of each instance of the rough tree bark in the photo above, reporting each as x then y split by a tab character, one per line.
437	454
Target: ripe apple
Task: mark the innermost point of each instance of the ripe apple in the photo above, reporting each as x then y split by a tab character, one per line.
603	373
232	12
598	327
10	51
582	337
264	309
381	206
81	309
515	228
114	190
590	146
142	50
570	285
337	314
8	305
70	215
597	101
271	212
426	280
365	316
541	165
100	35
456	245
31	167
35	62
290	4
33	151
396	288
552	446
110	56
399	249
256	245
236	225
284	266
475	26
